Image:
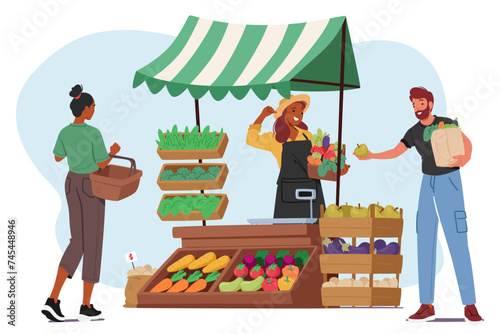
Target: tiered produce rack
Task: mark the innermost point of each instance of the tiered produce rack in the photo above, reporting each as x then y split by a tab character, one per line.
370	264
200	185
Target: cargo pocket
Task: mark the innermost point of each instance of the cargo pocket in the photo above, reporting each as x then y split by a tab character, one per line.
67	185
87	187
461	221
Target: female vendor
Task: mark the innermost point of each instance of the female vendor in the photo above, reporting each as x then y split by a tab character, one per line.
291	145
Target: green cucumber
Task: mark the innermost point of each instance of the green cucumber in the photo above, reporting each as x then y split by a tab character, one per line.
254	285
232	286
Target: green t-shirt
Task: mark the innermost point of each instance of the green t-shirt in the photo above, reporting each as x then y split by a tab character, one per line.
84	147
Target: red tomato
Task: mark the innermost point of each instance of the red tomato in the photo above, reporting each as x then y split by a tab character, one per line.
256	272
240	270
270	284
273	270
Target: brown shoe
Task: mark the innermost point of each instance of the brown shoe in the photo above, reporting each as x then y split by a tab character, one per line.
424	313
471	315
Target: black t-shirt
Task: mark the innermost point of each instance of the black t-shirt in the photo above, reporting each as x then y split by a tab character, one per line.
415	137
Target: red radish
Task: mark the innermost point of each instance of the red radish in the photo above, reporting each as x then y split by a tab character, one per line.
256	271
240	270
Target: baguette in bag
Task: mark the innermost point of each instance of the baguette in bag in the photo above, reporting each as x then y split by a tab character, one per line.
447	143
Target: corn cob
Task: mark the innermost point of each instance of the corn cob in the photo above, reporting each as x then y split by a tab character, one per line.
202	261
218	264
181	264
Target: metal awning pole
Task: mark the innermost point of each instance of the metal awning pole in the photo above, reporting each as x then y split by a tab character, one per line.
341	106
197	110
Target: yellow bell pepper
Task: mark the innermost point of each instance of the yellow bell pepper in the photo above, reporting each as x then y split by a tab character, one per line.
285	283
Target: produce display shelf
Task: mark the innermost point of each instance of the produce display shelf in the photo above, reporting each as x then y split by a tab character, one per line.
304	292
216	153
360	263
355	296
218	183
371	263
361	227
195	215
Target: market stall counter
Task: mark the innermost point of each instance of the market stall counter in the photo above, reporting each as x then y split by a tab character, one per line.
216	258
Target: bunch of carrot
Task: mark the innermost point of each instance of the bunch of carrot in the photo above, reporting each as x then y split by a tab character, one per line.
182	284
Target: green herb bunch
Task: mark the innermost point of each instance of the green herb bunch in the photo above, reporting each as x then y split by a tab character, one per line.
191	140
197	173
176	205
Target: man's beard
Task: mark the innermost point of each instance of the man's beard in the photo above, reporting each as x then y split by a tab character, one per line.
423	113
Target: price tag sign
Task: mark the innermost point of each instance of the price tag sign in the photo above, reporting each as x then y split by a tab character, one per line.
130	257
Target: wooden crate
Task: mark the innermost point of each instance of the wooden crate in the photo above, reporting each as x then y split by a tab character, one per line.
216	153
218	183
304	292
351	296
361	227
196	215
360	264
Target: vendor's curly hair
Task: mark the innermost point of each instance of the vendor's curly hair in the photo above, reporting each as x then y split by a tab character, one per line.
281	128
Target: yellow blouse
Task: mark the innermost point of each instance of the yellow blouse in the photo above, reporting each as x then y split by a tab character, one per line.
267	142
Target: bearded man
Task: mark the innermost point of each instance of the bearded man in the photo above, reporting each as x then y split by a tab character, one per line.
440	193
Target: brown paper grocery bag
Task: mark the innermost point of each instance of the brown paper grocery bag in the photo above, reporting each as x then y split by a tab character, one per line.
447	143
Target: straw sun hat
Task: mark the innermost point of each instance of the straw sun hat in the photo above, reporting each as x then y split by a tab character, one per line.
293	98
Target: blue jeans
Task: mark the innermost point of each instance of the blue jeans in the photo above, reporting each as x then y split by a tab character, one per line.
446	192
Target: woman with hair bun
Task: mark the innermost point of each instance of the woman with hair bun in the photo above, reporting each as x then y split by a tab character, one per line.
84	148
290	144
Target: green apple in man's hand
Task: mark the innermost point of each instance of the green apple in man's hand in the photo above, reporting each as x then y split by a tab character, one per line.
361	150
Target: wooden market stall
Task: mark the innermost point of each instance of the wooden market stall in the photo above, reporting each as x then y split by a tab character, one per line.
221	58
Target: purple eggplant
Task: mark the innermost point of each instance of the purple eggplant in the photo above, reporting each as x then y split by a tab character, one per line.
326	141
288	260
249	261
379	244
339	246
270	259
391	249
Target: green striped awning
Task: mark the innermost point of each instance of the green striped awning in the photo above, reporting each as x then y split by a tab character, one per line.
225	57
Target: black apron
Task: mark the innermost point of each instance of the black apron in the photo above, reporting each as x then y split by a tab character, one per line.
293	175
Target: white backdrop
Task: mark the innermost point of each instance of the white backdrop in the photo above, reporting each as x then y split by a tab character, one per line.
459	38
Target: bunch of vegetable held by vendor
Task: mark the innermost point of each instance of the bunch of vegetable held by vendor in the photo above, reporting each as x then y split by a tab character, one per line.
325	155
189	140
340	246
209	264
267	272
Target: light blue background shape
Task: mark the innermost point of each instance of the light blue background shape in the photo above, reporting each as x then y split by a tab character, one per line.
378	114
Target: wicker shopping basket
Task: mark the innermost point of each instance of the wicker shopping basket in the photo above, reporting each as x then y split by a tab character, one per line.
114	182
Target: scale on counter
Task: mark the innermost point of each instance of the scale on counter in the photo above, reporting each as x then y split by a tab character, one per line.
300	194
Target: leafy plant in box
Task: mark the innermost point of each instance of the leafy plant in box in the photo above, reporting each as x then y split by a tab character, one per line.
197	173
206	205
191	140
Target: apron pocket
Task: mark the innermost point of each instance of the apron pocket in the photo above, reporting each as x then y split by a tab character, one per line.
288	187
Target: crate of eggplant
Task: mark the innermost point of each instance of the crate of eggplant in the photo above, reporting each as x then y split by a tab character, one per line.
245	277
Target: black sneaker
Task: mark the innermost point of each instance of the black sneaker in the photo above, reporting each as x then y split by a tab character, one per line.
52	310
86	313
